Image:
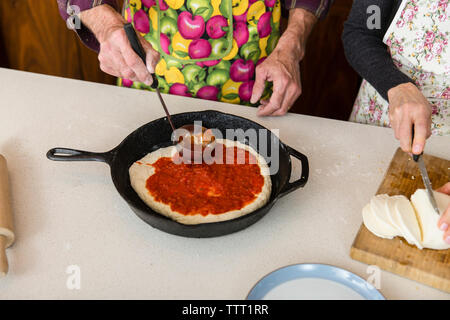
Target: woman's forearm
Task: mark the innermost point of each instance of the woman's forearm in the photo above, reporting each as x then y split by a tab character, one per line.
365	50
293	40
77	7
318	7
282	66
100	19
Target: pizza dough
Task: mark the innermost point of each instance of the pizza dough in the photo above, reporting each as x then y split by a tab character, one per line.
415	220
142	170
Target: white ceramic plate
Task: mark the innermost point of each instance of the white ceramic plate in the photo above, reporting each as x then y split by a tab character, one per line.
313	282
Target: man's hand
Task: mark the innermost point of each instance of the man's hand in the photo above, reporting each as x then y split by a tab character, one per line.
116	56
444	222
282	66
407	108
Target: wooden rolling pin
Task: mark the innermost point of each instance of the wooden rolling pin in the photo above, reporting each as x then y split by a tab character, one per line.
6	221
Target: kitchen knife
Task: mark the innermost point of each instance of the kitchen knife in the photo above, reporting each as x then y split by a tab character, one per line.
426	180
137	47
418	158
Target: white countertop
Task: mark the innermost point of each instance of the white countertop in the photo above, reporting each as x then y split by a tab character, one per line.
71	214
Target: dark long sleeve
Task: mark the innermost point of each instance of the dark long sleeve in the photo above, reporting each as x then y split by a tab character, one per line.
364	47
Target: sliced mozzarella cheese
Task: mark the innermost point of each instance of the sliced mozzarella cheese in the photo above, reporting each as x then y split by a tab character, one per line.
405	217
374	224
371	222
432	237
378	205
391	213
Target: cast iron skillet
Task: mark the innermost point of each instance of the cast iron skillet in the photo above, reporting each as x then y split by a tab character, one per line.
157	134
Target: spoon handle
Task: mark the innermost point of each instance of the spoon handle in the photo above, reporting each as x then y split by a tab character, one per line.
137	47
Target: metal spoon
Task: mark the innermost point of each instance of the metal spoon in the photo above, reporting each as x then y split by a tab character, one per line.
193	133
137	47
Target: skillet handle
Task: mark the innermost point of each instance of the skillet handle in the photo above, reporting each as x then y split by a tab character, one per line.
64	154
291	186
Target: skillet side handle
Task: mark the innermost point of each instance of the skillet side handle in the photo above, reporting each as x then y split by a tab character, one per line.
291	186
64	154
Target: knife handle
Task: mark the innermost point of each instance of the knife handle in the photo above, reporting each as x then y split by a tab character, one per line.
414	156
137	47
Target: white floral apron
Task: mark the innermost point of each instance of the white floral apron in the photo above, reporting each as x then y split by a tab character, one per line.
209	48
418	43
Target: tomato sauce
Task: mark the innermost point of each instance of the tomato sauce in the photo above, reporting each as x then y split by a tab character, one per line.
206	188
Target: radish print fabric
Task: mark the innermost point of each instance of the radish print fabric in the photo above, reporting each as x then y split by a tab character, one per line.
209	48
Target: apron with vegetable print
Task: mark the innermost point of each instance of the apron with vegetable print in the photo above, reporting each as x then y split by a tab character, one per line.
209	48
418	40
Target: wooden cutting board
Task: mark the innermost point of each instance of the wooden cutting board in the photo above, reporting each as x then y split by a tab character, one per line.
431	267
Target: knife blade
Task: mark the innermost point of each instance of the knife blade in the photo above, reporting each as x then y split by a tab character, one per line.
426	181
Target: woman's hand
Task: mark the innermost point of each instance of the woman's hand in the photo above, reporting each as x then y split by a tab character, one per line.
116	56
407	108
444	221
282	66
283	69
